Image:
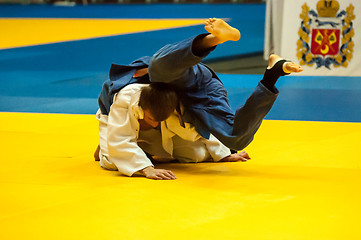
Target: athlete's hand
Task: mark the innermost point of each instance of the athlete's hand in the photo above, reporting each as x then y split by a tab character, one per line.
235	157
158	174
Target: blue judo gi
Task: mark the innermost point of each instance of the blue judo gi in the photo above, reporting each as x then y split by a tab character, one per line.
200	91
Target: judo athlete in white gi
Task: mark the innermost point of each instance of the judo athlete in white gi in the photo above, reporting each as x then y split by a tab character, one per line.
129	132
215	129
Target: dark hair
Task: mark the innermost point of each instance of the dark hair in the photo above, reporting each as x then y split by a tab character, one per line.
160	99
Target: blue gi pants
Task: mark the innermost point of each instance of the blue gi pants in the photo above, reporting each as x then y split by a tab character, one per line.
205	98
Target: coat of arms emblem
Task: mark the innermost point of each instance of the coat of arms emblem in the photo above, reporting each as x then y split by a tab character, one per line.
326	35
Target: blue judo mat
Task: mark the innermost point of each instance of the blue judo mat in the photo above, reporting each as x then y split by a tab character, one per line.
67	77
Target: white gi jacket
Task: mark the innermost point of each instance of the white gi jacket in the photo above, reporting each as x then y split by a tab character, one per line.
119	132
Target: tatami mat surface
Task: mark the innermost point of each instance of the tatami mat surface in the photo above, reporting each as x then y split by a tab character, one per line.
302	183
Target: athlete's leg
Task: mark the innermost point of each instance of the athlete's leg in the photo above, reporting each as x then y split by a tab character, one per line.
249	117
277	67
219	32
173	62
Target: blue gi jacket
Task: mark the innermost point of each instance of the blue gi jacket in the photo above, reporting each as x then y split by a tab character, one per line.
119	77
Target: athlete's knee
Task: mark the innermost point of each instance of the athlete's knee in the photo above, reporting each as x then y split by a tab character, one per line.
194	155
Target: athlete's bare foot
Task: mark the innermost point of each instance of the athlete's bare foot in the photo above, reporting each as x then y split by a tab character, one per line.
96	154
288	67
221	30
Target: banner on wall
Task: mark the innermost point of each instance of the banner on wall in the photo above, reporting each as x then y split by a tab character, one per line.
323	36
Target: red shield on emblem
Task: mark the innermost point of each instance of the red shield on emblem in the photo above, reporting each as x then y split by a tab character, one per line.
325	41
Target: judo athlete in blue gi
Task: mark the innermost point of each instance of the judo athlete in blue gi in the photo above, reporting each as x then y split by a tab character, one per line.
204	102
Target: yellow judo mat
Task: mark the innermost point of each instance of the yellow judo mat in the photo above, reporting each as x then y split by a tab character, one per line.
52	30
303	182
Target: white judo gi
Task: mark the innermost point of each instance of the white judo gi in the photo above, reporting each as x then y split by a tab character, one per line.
123	145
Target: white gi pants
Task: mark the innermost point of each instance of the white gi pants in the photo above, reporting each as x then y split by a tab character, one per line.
184	151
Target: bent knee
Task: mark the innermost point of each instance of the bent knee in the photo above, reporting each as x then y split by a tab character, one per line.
193	155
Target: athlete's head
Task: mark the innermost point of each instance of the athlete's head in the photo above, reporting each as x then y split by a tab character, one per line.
158	101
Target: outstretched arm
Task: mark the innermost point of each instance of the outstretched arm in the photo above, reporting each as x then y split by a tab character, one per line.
121	141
